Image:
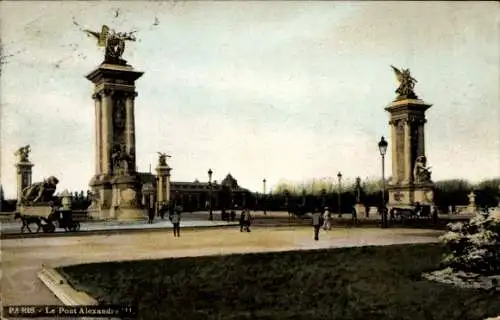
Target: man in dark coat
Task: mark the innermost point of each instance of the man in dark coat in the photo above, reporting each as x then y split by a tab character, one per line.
151	214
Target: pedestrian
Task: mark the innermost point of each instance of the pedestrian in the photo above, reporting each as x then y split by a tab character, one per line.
327	216
316	221
175	218
354	216
245	220
242	220
151	215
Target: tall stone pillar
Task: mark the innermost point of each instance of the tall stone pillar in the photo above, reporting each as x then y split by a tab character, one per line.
421	137
23	172
407	152
405	191
394	154
163	186
130	126
116	185
107	130
98	134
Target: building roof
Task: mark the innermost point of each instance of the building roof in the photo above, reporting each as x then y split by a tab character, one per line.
229	181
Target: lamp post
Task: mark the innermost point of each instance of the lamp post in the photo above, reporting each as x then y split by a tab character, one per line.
339	176
210	214
264	197
382	146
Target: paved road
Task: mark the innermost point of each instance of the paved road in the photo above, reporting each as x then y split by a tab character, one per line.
23	258
12	227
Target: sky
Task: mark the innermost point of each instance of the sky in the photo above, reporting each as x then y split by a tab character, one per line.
281	90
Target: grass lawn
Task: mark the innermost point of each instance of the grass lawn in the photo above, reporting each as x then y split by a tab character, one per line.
347	283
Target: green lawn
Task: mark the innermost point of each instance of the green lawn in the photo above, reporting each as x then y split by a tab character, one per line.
348	283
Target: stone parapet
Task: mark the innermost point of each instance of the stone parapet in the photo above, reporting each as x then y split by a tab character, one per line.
58	285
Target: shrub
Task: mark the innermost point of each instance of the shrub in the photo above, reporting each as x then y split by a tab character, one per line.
474	246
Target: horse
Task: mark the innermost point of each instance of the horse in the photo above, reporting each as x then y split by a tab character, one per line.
27	220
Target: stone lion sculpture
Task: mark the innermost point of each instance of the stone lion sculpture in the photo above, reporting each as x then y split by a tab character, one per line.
40	191
421	172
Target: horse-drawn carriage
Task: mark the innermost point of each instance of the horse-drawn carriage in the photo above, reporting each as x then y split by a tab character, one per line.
49	223
416	211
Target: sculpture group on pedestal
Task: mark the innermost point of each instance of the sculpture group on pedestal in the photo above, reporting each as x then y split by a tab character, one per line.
114	42
162	158
122	161
411	177
40	192
406	84
32	193
421	173
23	153
116	184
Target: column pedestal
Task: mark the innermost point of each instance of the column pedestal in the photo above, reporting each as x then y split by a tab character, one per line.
360	210
403	191
126	199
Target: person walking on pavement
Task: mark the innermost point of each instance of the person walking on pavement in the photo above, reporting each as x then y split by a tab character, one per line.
151	214
316	221
327	222
354	216
245	220
175	218
242	221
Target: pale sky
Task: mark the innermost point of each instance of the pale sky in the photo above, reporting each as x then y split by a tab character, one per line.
283	90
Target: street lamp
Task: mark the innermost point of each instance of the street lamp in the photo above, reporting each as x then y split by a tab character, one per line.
264	198
382	146
339	175
210	214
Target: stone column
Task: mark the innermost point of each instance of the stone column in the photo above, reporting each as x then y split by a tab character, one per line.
24	174
106	131
407	155
167	187
159	188
130	125
421	138
98	131
163	186
394	151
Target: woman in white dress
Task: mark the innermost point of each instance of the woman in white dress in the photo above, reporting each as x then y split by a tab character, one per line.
327	223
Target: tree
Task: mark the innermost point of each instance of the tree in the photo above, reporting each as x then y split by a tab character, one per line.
451	192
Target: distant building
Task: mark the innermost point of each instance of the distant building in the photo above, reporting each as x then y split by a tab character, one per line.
194	196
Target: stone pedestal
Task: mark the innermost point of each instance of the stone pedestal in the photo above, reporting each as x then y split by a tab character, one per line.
360	210
24	176
66	200
472	207
410	194
125	203
38	210
407	120
115	184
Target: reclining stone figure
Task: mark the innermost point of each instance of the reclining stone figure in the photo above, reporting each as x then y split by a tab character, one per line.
40	192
